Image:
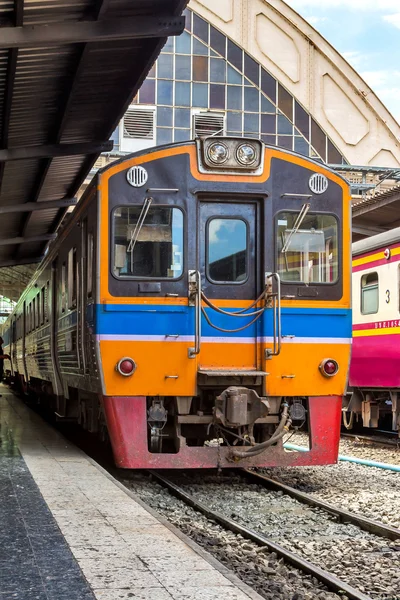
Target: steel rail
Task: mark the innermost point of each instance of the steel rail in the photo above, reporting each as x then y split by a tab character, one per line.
344	516
394	443
331	582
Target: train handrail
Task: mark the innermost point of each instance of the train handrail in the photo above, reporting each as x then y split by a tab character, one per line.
195	300
277	315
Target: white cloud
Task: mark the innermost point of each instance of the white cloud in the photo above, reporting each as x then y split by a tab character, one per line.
364	5
393	19
316	20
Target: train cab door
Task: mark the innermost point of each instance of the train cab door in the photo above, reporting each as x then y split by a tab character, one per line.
229	266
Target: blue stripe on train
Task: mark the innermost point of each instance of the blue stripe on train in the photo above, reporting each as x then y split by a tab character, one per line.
161	320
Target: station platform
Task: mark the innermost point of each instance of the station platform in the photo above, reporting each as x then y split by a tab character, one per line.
70	531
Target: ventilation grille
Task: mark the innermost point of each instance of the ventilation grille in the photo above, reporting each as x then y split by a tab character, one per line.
139	124
208	124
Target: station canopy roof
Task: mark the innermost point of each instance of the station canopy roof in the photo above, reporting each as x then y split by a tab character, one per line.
376	214
68	71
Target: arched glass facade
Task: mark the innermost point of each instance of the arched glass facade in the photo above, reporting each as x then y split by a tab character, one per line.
205	70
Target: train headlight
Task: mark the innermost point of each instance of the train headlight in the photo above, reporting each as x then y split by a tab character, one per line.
126	366
218	153
246	154
329	367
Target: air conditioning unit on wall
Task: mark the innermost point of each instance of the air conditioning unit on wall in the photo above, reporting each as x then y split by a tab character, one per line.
205	123
137	130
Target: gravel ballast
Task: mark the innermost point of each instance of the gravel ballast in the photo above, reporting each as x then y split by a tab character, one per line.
262	570
367	562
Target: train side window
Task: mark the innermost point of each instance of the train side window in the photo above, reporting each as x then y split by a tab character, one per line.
72	272
369	294
63	288
148	242
43	305
47	302
89	274
227	250
39	310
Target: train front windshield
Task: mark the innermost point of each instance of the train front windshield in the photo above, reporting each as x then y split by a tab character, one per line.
309	253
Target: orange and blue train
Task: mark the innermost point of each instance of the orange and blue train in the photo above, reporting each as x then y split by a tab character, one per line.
196	307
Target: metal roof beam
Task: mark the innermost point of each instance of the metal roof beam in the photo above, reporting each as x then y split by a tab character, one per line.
361	209
15	262
367	230
27	240
55	150
31	206
91	31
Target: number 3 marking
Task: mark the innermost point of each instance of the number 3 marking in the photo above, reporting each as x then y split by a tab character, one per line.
387	296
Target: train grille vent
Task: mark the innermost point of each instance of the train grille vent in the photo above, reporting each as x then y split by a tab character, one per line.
139	124
208	123
318	183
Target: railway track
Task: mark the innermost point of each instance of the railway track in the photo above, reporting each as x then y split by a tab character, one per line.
391	439
329	579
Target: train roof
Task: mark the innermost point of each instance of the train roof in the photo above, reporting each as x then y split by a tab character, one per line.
376	241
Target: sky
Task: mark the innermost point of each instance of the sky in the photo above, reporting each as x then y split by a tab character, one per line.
367	34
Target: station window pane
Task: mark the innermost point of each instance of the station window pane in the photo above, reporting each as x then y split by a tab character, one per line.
182	93
217	41
199	48
251	99
233	76
164	92
227	250
164	116
182	117
183	68
164	64
217	70
154	249
369	294
200	95
183	43
234	98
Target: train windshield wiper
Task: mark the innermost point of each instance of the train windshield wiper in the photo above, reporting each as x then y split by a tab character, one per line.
142	217
300	218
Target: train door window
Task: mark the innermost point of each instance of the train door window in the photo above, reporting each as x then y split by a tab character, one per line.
148	242
43	305
39	310
227	250
89	273
34	313
29	325
47	302
63	288
369	294
307	248
72	278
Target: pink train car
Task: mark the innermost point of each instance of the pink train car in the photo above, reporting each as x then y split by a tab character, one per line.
374	383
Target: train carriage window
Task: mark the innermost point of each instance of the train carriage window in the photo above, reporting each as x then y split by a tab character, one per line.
369	294
148	242
89	274
63	288
72	278
227	250
34	313
43	305
39	310
47	302
307	248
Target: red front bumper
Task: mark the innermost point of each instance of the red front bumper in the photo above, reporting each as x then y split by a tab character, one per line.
127	427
